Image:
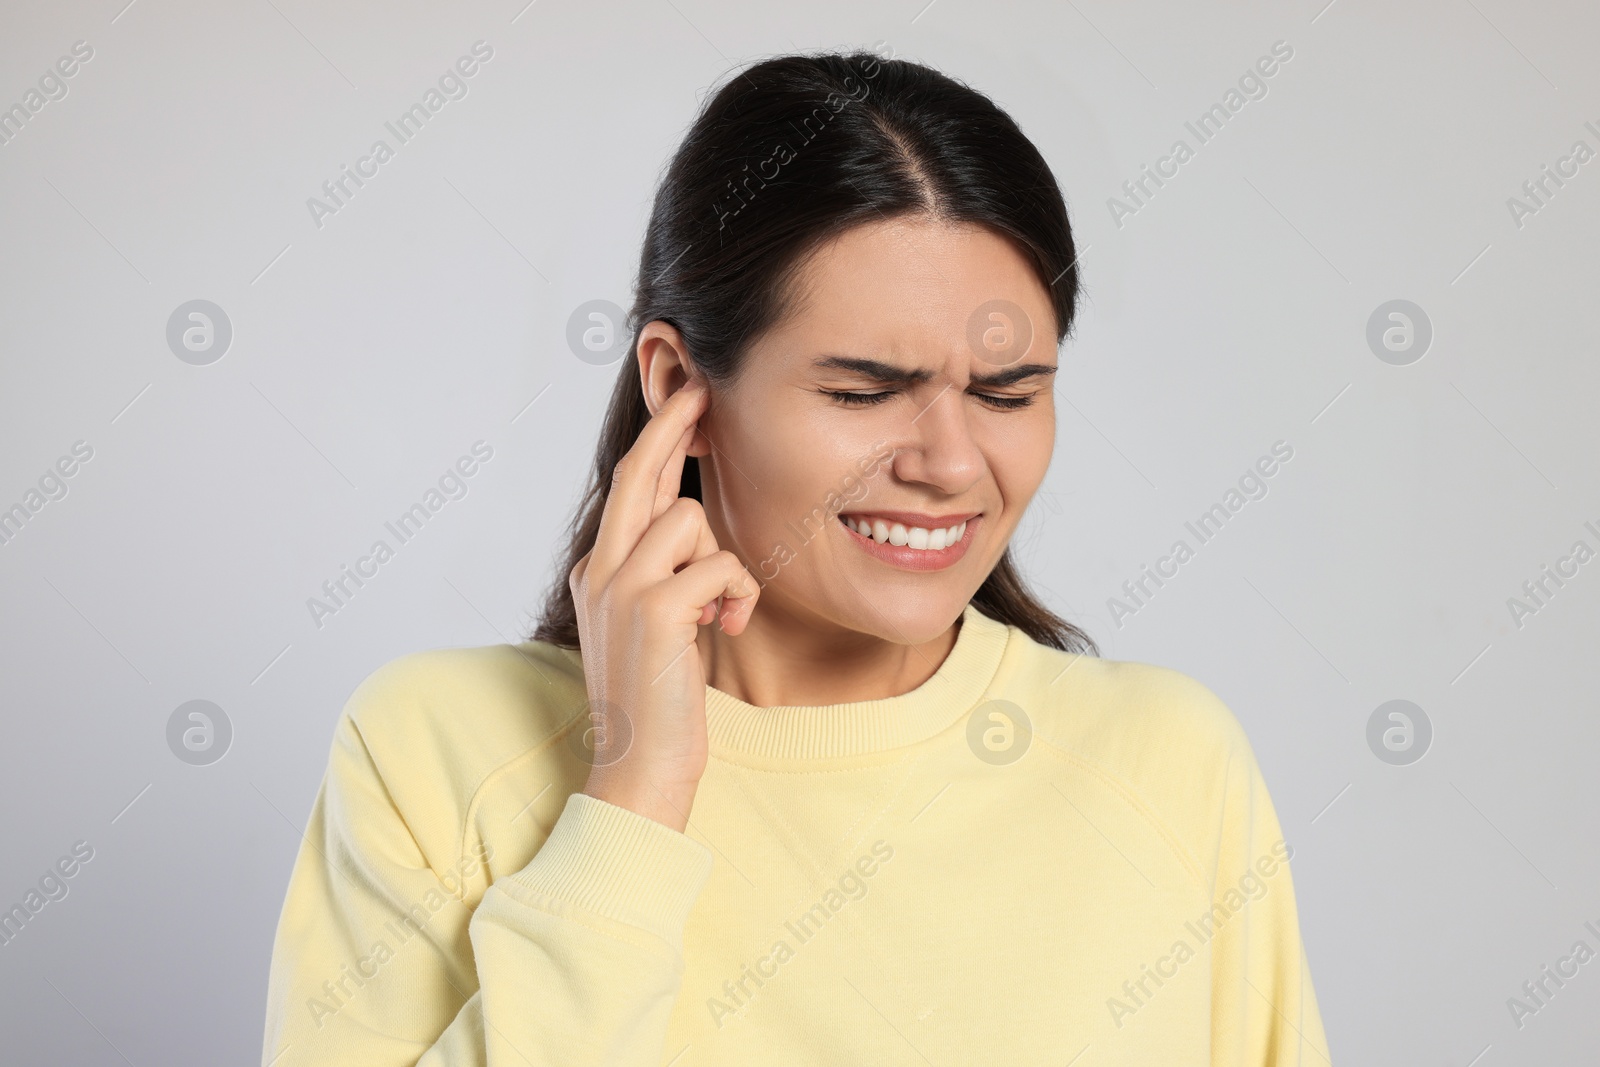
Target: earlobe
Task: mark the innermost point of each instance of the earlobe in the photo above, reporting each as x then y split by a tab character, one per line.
699	444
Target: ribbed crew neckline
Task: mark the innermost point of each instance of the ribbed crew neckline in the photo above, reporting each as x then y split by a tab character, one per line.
796	731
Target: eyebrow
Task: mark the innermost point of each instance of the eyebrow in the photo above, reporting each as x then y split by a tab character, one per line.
891	374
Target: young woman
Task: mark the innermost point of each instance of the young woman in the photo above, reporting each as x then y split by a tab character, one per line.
795	768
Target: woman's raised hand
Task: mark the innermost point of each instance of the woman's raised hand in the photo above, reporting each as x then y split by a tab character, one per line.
652	579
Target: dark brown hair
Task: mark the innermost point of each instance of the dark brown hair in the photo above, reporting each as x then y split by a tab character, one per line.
788	154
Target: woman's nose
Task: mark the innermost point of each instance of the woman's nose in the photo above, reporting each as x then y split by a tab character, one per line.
938	448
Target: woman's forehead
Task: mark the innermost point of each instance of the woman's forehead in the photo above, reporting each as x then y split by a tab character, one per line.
913	296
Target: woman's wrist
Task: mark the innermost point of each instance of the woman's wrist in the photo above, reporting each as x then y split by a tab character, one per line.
666	804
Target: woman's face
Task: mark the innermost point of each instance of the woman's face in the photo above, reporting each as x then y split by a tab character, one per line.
911	386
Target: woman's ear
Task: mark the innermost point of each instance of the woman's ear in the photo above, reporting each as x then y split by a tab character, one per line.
665	367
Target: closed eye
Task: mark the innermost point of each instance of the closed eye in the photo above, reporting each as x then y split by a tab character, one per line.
859	399
1004	403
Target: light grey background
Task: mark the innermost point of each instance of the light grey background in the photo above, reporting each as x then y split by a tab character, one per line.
369	353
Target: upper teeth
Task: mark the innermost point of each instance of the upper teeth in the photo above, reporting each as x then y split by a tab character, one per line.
913	536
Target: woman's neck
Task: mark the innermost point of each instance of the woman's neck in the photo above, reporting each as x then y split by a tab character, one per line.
781	660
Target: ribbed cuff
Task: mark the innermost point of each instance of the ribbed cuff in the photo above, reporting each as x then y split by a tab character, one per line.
622	865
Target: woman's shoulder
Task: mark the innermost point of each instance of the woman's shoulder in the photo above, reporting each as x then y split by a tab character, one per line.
1108	705
1147	739
483	695
1154	736
437	724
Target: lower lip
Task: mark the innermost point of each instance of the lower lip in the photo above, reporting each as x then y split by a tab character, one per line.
915	559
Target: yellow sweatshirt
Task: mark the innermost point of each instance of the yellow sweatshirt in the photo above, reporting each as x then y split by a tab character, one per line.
1032	858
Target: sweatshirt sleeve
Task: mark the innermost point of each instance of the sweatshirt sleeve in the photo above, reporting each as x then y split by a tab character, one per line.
1264	1008
380	959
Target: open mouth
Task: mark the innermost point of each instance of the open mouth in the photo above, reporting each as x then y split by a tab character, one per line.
933	544
918	538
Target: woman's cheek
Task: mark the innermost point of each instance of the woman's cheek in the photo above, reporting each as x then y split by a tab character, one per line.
1019	454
